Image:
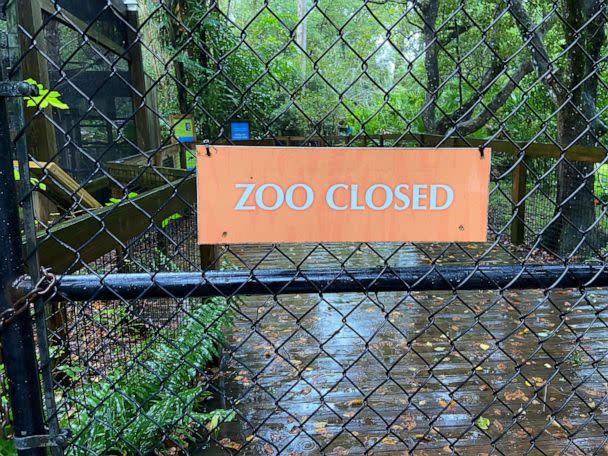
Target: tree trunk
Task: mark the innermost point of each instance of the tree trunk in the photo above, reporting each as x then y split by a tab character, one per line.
302	31
178	67
575	210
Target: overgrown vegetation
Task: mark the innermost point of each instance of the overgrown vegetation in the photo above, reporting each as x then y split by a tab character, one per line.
484	69
160	399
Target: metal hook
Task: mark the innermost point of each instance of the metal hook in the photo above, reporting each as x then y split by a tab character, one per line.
482	151
206	143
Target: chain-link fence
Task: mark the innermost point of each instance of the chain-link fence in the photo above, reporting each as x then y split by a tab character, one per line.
152	344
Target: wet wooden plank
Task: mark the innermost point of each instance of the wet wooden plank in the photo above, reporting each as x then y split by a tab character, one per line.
348	373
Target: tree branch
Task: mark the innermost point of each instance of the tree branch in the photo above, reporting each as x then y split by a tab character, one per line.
466	109
489	111
535	34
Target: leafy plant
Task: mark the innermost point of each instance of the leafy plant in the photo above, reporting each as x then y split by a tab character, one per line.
7	448
576	358
167	220
158	400
114	201
35	182
45	98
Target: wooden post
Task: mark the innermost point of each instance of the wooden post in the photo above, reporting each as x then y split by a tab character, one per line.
40	133
147	129
209	256
183	160
518	192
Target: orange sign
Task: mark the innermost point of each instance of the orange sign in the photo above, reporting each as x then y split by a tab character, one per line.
313	194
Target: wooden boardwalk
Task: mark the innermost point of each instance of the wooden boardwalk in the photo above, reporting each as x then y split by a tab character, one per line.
423	373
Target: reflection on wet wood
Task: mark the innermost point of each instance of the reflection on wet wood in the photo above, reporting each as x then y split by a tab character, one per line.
518	372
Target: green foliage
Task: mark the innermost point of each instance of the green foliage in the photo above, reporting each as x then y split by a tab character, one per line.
114	201
45	98
7	448
35	182
165	222
159	399
483	423
601	182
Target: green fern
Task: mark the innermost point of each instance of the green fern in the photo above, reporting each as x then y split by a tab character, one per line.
160	398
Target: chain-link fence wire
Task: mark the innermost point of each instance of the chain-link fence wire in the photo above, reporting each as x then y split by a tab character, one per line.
425	372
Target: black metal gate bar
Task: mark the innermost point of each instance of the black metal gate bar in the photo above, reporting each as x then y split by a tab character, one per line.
18	352
265	282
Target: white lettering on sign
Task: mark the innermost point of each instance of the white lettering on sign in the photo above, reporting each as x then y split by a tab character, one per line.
377	197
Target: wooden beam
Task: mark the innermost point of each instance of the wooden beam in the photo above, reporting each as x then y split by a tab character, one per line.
532	150
518	193
145	158
65	17
61	186
96	185
71	244
144	176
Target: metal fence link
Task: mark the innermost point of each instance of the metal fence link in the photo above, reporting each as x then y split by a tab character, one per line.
296	349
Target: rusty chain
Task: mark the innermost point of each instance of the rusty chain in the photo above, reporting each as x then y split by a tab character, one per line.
45	284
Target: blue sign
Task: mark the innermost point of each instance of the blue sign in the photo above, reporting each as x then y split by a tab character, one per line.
239	131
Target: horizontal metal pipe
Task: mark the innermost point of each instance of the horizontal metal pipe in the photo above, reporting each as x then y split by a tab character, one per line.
271	282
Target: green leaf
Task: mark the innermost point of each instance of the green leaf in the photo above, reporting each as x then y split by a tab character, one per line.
166	221
483	423
45	98
58	103
36	183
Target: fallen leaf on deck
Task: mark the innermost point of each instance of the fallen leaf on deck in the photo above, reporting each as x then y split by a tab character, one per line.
515	395
408	421
482	423
451	406
227	443
559	435
319	427
566	422
484	346
390	440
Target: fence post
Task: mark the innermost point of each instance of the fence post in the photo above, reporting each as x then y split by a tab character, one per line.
518	193
148	137
18	351
40	134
